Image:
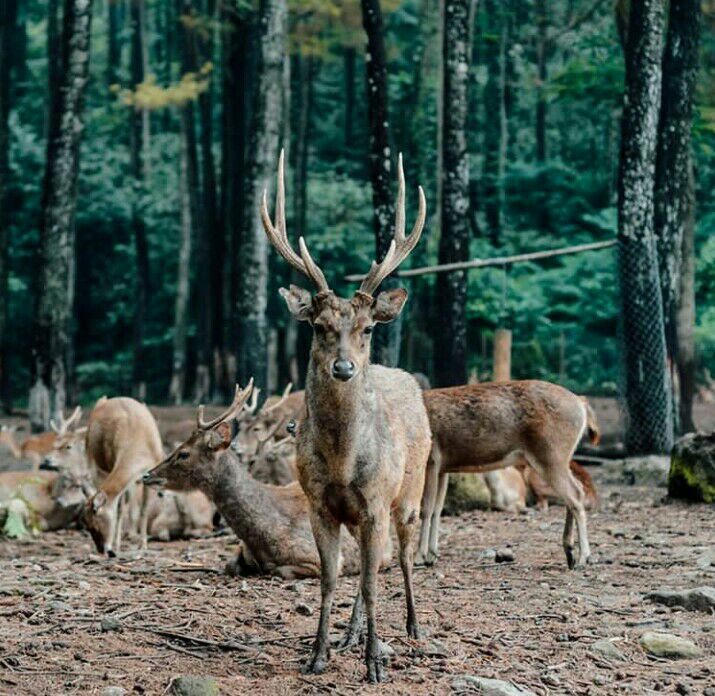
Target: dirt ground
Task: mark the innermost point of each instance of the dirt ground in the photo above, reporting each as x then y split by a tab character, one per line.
73	622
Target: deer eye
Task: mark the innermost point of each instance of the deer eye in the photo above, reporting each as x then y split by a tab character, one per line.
183	454
368	330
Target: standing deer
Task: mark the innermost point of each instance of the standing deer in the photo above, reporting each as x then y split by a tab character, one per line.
483	427
363	445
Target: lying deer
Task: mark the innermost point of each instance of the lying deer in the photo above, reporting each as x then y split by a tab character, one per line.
274	459
482	427
123	442
36	447
272	522
363	446
177	515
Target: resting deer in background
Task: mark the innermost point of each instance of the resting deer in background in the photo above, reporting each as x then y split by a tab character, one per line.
363	444
123	442
483	427
271	521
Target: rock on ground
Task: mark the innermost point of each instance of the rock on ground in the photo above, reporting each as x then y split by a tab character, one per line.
651	470
488	687
669	645
194	686
697	599
466	492
608	649
692	468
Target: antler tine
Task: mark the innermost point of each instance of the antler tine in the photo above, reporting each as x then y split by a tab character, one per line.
239	400
269	435
280	401
400	246
76	414
278	235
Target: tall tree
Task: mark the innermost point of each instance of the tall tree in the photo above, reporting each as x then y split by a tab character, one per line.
114	47
674	194
59	198
8	20
349	55
138	119
450	366
647	392
386	343
262	156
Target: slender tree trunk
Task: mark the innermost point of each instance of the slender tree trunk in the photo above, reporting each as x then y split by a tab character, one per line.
188	224
8	22
646	388
349	74
266	129
54	61
674	197
137	142
495	126
114	51
386	343
542	23
451	340
59	197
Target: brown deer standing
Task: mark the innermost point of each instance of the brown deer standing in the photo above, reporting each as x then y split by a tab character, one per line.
363	445
483	427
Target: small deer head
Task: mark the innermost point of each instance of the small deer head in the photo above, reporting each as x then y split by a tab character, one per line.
342	328
68	450
185	468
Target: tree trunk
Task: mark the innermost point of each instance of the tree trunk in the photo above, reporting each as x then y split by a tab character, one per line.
542	24
674	198
114	51
137	155
349	73
451	339
54	61
495	127
266	128
8	21
188	224
59	198
646	389
386	343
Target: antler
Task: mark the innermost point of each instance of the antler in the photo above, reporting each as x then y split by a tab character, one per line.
239	399
284	396
65	424
250	408
278	236
269	434
400	246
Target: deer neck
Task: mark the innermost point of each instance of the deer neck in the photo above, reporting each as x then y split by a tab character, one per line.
244	502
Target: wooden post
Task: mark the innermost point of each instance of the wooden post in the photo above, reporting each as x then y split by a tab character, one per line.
502	355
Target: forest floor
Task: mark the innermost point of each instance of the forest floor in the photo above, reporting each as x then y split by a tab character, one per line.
73	622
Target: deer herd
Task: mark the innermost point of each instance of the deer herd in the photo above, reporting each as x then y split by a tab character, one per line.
314	482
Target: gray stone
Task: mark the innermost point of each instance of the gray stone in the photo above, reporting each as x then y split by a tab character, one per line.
110	623
56	605
114	691
646	471
669	645
435	648
303	609
697	599
608	649
504	556
194	686
488	687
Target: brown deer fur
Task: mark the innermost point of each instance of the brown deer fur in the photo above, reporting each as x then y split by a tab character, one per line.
33	448
543	493
363	445
482	427
122	443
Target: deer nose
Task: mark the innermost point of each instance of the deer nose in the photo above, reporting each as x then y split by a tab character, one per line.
343	369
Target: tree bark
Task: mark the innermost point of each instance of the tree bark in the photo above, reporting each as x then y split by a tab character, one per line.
495	126
266	128
349	74
451	340
187	182
59	198
8	22
114	51
646	385
542	45
674	197
386	342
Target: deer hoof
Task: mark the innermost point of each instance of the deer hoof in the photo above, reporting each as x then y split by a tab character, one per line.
317	664
375	669
413	630
570	560
431	558
350	639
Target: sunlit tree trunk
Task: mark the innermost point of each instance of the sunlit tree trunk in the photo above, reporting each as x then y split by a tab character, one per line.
450	366
59	198
646	383
262	158
674	195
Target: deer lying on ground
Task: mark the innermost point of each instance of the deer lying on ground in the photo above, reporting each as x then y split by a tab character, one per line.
363	445
482	427
175	515
123	442
274	460
51	500
272	522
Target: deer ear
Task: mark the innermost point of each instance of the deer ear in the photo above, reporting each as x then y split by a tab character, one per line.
389	304
299	301
99	499
219	438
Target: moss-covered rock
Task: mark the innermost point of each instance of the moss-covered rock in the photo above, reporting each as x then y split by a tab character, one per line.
466	492
692	468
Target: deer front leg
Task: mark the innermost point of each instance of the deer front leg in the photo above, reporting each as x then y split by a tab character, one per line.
372	540
144	519
327	539
433	553
429	499
405	523
353	633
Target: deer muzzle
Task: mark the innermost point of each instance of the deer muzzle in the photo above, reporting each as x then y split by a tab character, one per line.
343	369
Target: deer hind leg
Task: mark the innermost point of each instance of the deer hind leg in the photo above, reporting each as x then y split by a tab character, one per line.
116	531
433	553
144	519
327	539
429	500
406	526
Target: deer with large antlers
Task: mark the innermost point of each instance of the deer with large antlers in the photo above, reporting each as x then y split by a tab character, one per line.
363	446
